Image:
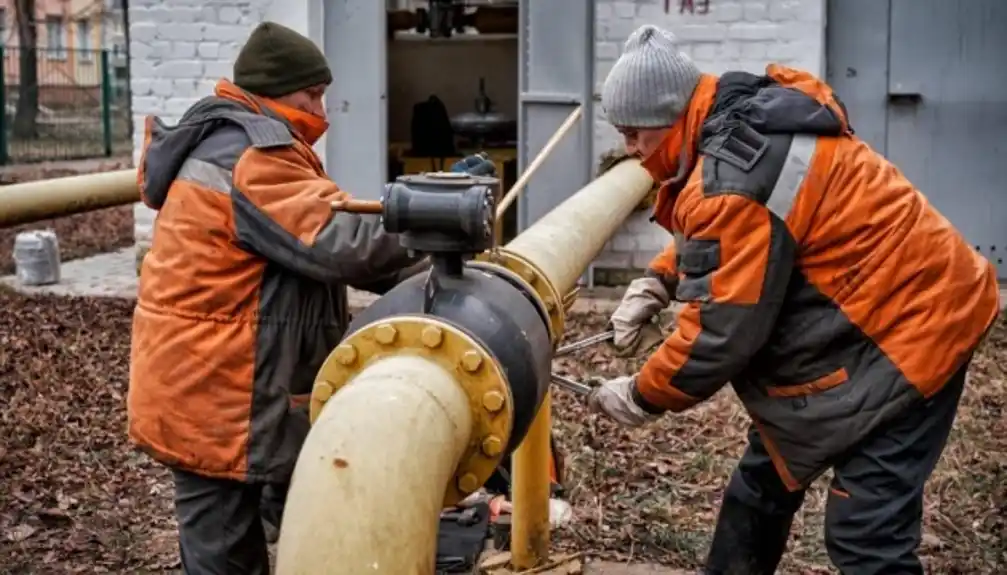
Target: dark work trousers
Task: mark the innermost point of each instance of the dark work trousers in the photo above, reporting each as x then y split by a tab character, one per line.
874	513
220	524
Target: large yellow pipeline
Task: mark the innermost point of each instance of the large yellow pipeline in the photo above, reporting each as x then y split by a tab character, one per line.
378	456
390	444
401	428
44	199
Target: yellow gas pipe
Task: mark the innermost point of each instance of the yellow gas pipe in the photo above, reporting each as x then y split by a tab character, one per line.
33	201
391	444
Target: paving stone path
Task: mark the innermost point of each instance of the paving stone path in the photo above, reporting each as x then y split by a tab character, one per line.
114	275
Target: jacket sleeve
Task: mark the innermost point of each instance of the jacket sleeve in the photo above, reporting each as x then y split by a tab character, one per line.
734	268
282	211
665	268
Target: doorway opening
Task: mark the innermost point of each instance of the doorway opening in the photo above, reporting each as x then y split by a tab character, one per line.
453	88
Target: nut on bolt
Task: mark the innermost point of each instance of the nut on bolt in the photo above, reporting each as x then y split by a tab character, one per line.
492	445
385	334
468	483
346	354
493	401
472	360
322	391
432	336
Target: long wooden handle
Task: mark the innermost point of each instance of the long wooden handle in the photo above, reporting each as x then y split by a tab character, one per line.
358	206
515	190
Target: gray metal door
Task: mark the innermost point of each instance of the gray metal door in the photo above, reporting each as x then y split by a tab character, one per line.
356	147
936	105
556	47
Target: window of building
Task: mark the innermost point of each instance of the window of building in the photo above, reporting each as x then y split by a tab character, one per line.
84	50
55	33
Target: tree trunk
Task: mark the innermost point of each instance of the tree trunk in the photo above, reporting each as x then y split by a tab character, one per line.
129	77
26	113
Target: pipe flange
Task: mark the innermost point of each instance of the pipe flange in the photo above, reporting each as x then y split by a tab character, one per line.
549	297
474	367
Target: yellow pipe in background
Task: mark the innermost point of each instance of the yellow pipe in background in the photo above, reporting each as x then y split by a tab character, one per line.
45	199
379	454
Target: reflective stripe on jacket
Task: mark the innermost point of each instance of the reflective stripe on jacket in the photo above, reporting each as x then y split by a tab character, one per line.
817	279
242	294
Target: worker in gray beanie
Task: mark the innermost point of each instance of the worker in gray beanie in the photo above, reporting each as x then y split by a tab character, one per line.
651	84
841	306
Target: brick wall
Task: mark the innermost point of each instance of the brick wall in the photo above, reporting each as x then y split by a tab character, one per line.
179	52
730	35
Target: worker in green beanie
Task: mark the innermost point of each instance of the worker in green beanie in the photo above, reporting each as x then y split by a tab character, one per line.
243	294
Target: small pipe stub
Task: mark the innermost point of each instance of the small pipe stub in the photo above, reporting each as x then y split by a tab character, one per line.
478	373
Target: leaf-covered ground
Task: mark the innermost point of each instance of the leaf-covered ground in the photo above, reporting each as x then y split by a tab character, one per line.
74	498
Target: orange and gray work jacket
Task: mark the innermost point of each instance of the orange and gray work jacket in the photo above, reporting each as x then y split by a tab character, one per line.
816	278
242	294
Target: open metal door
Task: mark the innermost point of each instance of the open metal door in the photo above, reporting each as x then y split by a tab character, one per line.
556	59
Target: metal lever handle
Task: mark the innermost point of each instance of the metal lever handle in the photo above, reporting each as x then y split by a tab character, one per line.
906	98
568	384
584	343
358	206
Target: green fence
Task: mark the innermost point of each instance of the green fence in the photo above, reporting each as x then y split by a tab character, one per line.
63	104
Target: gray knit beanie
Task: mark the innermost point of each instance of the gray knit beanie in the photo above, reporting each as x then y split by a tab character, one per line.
651	83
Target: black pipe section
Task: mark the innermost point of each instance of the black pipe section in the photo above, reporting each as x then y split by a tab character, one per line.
493	308
450	217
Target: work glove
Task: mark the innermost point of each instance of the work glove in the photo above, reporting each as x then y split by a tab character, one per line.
614	398
475	165
634	320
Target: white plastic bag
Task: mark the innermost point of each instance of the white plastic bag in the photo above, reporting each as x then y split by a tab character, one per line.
36	257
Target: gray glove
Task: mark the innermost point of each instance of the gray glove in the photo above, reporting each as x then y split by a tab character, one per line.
614	398
633	321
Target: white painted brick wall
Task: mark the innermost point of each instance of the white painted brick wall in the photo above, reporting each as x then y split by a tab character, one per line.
178	53
733	35
180	48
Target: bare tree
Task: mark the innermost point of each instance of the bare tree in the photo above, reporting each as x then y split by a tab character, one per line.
26	114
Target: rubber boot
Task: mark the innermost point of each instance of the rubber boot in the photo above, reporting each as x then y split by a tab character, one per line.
747	542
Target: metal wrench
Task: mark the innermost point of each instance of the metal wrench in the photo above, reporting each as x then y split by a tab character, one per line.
568	384
584	343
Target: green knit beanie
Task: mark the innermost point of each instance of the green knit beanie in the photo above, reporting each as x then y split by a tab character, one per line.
276	61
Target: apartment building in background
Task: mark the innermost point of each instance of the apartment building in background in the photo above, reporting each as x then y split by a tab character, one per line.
70	37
